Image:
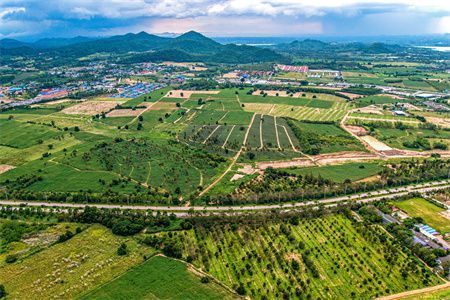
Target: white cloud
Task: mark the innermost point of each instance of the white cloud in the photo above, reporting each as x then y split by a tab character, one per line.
10	10
444	25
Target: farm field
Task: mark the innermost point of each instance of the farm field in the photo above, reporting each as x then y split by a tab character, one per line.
330	257
68	269
159	278
413	139
339	173
369	100
431	214
323	138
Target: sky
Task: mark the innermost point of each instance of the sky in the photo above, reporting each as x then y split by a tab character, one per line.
24	19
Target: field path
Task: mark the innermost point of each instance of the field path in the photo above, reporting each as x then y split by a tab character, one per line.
149	172
276	132
235	158
384	120
425	291
260	132
228	136
210	135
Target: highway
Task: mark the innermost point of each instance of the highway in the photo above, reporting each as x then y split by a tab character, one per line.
182	211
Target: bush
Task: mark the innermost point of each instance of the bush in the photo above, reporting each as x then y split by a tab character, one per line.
11	259
205	279
2	291
122	250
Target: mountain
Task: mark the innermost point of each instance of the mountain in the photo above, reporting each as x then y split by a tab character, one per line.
11	43
142	47
314	47
60	42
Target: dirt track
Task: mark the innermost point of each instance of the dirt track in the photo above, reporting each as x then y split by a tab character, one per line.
423	292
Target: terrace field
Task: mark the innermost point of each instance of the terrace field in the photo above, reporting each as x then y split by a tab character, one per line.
430	213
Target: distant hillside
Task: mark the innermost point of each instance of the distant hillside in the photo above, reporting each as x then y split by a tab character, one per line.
140	47
309	46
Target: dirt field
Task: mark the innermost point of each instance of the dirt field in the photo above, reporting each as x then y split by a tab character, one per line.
274	93
230	75
5	168
301	162
392	96
125	112
322	159
350	95
371	109
90	108
439	121
190	66
375	144
358	130
186	94
341	157
59	101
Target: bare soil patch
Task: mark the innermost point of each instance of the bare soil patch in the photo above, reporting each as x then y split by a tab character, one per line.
125	112
5	168
230	75
443	122
90	108
375	144
301	162
358	130
185	94
371	109
341	157
351	95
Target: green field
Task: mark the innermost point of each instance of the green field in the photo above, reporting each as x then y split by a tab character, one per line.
339	173
68	269
369	100
430	213
334	258
159	278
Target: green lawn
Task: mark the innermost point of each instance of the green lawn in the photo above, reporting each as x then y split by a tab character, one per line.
418	207
159	278
338	173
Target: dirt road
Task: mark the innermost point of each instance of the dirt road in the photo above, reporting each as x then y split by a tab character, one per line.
419	292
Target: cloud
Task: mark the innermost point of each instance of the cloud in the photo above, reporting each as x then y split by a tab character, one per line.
66	16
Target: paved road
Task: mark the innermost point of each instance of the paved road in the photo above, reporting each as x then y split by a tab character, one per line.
185	210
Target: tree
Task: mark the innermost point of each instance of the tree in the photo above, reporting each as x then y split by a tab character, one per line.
240	290
2	291
122	250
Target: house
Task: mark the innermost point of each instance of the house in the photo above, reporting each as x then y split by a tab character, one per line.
400	113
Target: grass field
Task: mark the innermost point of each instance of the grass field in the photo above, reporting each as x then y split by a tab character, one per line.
339	173
68	269
369	100
334	259
159	278
431	214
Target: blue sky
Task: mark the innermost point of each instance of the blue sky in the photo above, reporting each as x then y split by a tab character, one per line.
65	18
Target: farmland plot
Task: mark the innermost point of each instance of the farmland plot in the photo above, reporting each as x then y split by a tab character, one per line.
330	257
68	269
